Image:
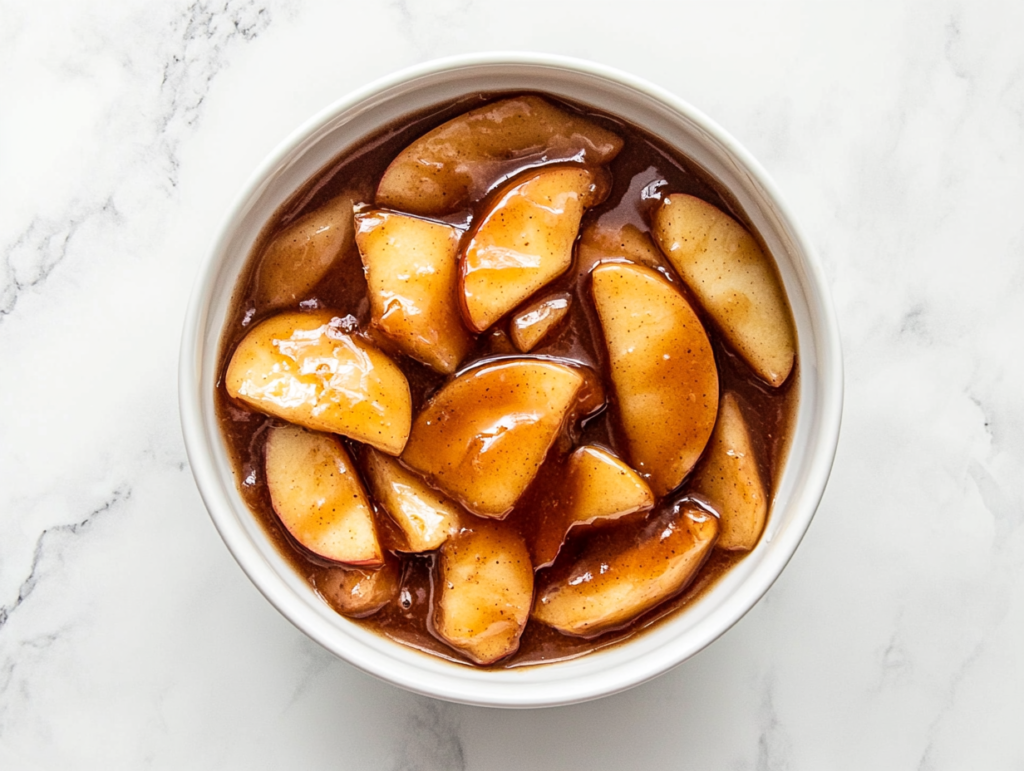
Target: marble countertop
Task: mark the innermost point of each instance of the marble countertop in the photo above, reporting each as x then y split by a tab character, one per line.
130	639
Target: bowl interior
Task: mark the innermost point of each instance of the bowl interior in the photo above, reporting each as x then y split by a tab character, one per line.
814	437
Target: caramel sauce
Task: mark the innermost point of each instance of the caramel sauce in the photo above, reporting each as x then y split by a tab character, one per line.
642	172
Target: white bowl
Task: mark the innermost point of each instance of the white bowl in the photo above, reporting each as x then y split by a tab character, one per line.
816	430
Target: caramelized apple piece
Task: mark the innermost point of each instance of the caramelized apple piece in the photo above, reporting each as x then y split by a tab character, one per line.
600	242
531	324
730	479
303	368
733	279
615	579
301	254
524	241
360	593
486	590
425	516
459	161
411	273
316	493
662	369
483	436
597	486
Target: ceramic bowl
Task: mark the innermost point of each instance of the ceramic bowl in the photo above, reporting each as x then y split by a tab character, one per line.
664	115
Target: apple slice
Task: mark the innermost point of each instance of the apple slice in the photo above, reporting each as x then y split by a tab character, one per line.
601	242
316	492
359	593
615	579
303	368
525	240
425	516
412	273
302	254
731	481
486	590
597	486
483	437
531	324
458	162
662	369
733	279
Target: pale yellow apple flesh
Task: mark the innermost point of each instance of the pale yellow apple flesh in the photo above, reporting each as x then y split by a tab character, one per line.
533	323
303	253
662	369
615	579
482	437
485	585
425	516
730	479
524	241
411	268
303	368
459	161
357	592
601	242
733	279
317	494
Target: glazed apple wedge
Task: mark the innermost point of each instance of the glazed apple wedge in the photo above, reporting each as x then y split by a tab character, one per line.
662	369
486	590
302	254
411	275
600	242
425	516
733	279
303	368
525	240
483	437
357	592
459	161
533	323
316	493
731	481
616	578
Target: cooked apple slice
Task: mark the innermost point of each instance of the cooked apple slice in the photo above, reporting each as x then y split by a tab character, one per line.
524	240
459	161
360	593
731	481
733	279
597	486
662	369
301	254
615	579
318	497
601	242
412	273
486	590
303	368
483	436
531	324
425	516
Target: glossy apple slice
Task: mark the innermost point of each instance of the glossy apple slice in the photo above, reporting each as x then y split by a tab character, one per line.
601	242
662	369
524	240
458	162
302	254
425	516
359	593
533	323
303	368
318	497
730	479
411	273
615	578
733	279
483	436
597	485
486	590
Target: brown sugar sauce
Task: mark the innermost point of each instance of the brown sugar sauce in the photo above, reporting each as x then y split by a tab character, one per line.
641	173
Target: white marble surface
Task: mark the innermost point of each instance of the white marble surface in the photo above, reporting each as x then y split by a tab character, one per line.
130	639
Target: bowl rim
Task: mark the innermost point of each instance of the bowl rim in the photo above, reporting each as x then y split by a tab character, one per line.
473	686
